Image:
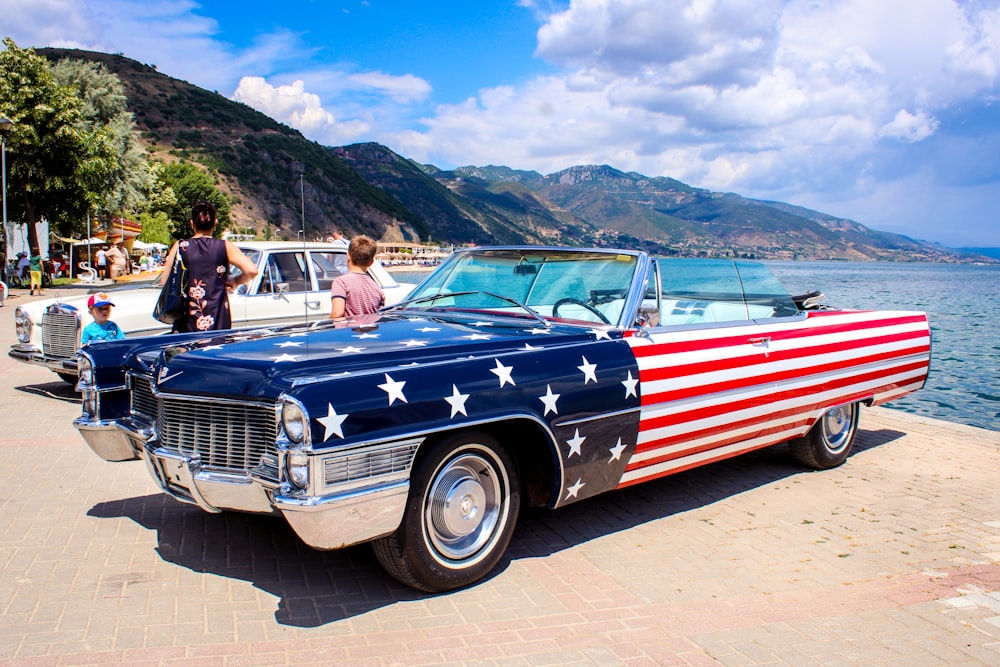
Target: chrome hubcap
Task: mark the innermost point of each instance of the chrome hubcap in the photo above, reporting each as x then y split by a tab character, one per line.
463	508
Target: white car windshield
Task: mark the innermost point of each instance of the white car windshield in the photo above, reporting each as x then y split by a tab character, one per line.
582	286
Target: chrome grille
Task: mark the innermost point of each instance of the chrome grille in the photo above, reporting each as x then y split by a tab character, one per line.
59	331
230	436
369	462
143	401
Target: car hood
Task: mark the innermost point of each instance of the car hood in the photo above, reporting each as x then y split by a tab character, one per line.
262	363
132	310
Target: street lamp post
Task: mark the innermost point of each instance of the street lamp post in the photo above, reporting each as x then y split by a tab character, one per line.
5	124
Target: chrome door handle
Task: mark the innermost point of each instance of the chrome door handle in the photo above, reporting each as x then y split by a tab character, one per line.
763	341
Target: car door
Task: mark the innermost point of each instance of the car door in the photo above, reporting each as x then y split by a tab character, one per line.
703	375
285	292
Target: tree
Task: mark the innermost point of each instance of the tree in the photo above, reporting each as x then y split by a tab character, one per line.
45	149
156	227
116	174
190	185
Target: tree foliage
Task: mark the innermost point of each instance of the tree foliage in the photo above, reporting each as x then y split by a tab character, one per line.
189	185
156	228
115	174
45	149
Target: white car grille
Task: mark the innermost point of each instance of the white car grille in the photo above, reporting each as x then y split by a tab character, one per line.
59	334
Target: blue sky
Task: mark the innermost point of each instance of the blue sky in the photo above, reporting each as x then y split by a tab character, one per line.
885	111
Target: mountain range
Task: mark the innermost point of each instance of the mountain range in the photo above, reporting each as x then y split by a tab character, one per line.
278	180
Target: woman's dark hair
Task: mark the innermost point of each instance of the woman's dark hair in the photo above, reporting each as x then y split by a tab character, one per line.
197	210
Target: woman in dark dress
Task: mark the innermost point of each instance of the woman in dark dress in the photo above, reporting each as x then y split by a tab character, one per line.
207	261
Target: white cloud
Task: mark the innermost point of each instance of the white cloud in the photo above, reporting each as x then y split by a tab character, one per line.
909	127
301	109
829	102
403	89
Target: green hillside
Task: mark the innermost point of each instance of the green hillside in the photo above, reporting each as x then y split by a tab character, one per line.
367	188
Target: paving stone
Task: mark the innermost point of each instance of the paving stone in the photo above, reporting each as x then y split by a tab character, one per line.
890	559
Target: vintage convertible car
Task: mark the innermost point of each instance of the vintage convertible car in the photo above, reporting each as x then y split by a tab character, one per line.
512	376
293	285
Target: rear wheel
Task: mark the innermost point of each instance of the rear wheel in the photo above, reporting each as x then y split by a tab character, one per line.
460	515
829	442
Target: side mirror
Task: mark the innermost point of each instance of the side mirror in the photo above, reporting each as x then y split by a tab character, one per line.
649	316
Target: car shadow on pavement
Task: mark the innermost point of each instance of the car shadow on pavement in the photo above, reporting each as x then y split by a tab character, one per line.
319	587
59	390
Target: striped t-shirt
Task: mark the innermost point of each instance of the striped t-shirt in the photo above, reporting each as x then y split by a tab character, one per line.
360	292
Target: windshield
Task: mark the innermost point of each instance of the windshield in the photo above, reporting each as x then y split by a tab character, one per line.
585	286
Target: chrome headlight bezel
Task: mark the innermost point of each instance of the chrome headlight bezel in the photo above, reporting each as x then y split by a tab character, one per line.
86	385
22	325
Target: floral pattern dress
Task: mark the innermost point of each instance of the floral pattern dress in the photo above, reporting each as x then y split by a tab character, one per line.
207	265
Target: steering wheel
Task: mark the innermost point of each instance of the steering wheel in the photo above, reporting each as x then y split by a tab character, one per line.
582	304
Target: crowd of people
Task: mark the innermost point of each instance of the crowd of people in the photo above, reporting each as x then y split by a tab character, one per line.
206	261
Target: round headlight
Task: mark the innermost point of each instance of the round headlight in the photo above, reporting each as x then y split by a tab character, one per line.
297	466
22	326
294	420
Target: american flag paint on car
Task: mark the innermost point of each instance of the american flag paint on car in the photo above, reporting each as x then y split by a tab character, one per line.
513	376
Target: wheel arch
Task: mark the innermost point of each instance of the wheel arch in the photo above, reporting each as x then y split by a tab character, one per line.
529	443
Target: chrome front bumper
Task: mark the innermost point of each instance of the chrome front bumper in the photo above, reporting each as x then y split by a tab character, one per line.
329	521
29	354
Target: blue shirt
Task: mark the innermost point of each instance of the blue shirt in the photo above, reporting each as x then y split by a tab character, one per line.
94	332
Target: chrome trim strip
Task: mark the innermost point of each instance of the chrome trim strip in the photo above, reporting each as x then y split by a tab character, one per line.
604	415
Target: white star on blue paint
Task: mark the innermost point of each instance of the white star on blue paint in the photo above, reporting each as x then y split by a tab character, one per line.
549	399
572	491
616	451
457	402
394	389
589	371
286	357
333	423
503	372
630	385
576	443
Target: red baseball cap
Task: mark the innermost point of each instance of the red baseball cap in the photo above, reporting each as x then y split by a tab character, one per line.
98	300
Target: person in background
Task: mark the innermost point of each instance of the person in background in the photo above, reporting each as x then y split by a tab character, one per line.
102	263
35	270
338	238
144	262
22	264
118	258
207	261
102	328
356	292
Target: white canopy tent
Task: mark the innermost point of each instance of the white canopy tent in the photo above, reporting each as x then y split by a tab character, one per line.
142	245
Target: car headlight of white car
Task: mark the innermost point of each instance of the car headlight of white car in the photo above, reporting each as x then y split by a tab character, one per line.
22	325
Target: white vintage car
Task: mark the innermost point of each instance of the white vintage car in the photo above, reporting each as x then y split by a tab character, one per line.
292	286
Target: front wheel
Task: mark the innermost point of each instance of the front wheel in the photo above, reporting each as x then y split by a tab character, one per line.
829	442
460	515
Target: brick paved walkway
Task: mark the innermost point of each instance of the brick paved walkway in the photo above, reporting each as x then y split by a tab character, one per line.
893	558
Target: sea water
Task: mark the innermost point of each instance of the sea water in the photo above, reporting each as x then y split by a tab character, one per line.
962	302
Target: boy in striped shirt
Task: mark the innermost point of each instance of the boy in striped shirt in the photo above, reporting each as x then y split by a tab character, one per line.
355	292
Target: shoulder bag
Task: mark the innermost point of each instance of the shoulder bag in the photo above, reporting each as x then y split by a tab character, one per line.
172	306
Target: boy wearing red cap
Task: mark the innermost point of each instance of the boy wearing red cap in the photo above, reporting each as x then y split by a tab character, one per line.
102	328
